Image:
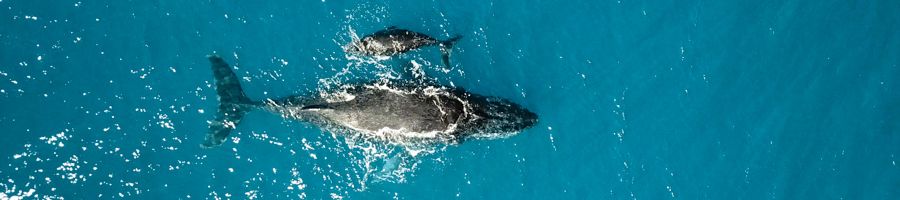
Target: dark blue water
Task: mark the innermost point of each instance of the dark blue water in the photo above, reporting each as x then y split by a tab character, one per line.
636	99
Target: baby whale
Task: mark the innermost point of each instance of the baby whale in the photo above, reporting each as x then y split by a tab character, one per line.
392	41
394	112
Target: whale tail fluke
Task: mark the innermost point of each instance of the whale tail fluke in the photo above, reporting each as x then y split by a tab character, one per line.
233	103
447	48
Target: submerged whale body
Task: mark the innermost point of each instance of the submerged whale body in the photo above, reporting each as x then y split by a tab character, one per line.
392	41
396	112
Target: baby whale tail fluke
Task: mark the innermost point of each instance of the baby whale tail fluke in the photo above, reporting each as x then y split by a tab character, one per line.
233	103
447	48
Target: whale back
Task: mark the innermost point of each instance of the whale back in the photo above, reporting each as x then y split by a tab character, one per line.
391	41
403	37
376	109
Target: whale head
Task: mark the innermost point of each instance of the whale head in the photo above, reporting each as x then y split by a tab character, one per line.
496	116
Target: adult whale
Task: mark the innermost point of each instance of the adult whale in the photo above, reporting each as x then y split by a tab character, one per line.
396	112
392	41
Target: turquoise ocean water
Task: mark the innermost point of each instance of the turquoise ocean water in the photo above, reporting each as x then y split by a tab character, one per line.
689	99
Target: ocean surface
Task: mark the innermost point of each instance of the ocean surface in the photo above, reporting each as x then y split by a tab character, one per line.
689	99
